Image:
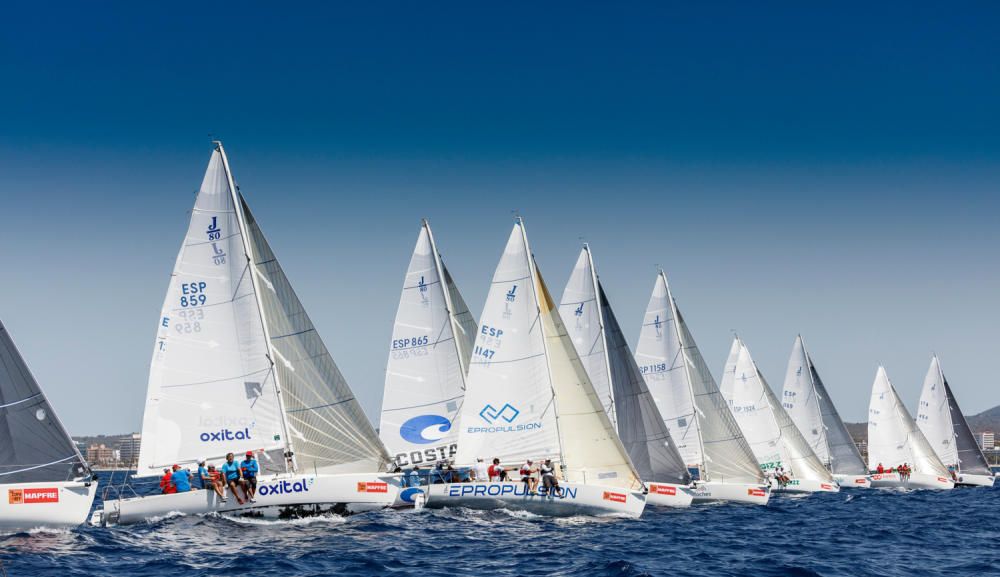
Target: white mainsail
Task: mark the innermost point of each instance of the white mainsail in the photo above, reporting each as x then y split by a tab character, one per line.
772	434
941	421
687	396
808	403
594	330
237	364
528	395
893	436
34	445
428	358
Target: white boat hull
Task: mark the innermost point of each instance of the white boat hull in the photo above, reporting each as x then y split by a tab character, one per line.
577	499
915	481
707	492
668	495
280	496
805	486
25	506
853	481
969	480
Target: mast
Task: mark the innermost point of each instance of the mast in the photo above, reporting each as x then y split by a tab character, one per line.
455	327
290	465
541	327
604	337
687	371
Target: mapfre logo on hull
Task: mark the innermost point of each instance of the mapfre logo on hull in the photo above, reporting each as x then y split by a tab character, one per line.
755	492
615	497
31	496
860	481
373	487
663	489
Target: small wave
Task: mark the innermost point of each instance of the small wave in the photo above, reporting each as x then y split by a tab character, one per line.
300	521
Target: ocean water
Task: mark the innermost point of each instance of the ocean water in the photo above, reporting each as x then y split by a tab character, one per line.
858	532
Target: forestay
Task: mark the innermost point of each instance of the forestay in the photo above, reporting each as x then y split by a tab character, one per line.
772	434
687	395
640	427
211	387
329	432
841	454
893	436
941	421
34	446
428	355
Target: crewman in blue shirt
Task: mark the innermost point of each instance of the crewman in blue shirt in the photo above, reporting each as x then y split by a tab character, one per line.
181	478
249	467
231	473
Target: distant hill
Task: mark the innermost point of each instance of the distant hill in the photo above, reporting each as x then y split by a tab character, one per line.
988	420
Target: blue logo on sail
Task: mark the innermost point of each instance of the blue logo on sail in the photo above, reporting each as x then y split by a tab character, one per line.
413	430
490	414
512	294
579	310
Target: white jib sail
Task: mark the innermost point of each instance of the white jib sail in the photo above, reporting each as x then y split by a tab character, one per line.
934	416
425	375
772	434
528	395
962	451
581	312
211	386
801	400
893	436
695	412
608	360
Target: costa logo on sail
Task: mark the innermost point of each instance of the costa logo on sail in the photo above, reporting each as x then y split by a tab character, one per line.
33	495
615	497
285	487
226	435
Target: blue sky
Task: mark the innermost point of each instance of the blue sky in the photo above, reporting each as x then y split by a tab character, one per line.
793	168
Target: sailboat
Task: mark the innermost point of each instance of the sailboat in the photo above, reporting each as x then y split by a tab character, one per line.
239	367
612	369
773	436
44	480
693	409
807	402
528	397
895	439
432	341
941	421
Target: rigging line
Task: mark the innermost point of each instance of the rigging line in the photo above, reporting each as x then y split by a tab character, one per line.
38	466
267	370
24	400
424	405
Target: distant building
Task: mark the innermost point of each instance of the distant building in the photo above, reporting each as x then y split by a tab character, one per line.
100	454
128	448
986	440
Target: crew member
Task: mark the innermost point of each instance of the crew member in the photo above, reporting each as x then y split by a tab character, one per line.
231	473
249	468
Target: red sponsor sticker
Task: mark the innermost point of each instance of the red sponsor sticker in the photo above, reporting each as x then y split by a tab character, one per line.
616	497
663	489
859	481
825	486
33	495
942	479
877	477
373	487
755	492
